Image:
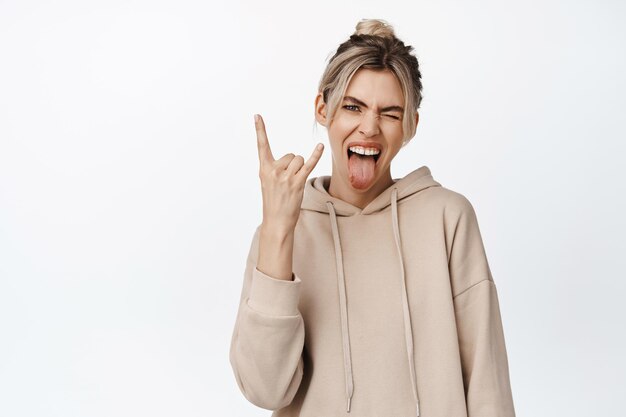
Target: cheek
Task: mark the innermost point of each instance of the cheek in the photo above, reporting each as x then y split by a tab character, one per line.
341	128
393	132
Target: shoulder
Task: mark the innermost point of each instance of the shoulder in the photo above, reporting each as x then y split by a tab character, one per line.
451	202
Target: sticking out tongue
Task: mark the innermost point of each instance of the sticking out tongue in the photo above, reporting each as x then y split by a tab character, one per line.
361	170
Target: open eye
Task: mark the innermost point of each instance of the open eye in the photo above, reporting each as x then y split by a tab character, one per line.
349	106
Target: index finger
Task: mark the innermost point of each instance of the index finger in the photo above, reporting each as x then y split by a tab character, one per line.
263	145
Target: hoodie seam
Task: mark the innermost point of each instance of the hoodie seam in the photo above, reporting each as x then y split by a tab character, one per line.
470	287
270	315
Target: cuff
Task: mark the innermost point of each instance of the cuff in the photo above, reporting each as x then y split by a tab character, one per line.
272	296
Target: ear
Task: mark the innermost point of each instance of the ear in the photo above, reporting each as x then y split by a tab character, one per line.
320	109
417	119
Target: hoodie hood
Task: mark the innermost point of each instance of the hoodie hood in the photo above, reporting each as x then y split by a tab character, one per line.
316	195
316	198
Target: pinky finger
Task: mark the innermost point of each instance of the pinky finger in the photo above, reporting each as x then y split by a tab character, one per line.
308	166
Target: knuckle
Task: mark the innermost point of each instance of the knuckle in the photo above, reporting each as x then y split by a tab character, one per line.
278	174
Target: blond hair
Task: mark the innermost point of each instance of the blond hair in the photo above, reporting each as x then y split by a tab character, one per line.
375	46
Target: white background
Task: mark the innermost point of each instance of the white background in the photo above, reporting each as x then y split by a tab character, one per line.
129	186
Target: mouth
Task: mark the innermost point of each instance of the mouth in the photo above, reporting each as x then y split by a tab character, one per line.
362	164
357	155
376	157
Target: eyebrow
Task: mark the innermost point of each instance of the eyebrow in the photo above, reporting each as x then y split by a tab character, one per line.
360	103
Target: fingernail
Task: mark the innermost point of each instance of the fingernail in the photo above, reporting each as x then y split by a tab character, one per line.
320	146
256	118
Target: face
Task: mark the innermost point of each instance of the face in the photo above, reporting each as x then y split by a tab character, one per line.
370	114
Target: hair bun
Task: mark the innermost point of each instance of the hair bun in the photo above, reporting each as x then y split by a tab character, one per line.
375	27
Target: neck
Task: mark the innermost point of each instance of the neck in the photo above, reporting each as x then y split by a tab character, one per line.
341	188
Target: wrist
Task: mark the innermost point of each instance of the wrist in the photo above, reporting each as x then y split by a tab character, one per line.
277	230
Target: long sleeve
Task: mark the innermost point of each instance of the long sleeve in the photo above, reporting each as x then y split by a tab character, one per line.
479	326
268	338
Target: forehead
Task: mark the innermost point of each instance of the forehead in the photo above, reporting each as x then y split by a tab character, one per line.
376	87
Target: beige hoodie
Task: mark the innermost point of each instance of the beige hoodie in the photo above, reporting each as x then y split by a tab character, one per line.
392	312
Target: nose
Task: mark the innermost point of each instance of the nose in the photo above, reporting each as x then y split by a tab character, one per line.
369	124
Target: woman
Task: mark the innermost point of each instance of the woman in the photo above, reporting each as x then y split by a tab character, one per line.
364	295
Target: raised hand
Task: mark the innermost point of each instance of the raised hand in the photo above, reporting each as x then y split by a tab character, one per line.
282	181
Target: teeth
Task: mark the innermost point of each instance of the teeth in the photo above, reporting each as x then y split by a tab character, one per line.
364	151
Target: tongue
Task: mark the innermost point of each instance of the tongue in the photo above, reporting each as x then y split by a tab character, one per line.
361	170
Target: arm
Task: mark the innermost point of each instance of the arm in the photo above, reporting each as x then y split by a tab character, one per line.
276	251
268	338
481	337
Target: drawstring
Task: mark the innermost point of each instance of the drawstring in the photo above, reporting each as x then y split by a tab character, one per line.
408	332
347	359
